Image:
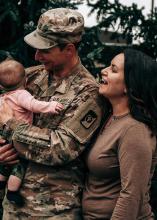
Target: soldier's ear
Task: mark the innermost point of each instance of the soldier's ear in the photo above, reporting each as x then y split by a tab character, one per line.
70	49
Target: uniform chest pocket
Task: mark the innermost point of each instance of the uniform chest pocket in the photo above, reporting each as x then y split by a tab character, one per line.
49	120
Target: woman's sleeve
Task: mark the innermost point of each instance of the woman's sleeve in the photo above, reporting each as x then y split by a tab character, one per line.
135	159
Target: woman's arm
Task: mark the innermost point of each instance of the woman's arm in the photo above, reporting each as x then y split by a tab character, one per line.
135	160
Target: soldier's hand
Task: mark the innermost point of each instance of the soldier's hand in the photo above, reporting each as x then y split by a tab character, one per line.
8	154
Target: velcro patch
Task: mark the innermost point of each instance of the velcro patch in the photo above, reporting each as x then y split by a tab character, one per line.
88	119
84	120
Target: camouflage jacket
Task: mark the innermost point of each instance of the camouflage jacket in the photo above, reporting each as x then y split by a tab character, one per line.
53	144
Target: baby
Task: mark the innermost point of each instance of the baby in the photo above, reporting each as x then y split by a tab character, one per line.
23	105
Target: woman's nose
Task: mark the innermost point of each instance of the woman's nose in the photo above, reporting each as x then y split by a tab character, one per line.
104	71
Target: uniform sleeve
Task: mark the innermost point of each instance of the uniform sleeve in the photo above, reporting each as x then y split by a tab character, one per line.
27	101
68	141
135	159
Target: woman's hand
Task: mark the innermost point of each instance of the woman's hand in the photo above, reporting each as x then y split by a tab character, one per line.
8	154
6	113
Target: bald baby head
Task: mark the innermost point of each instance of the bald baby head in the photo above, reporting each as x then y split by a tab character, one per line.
12	74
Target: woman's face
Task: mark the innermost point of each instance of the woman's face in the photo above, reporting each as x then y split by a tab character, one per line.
112	85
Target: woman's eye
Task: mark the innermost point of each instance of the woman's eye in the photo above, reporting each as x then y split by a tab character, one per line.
114	70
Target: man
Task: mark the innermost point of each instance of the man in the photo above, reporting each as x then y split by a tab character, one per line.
54	145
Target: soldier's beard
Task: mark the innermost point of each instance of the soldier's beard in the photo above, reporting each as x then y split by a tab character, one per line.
58	72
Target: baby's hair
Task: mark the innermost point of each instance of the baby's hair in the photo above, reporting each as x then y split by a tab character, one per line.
12	73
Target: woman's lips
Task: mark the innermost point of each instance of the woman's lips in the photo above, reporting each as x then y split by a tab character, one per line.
103	81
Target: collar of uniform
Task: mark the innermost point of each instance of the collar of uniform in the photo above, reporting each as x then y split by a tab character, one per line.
65	83
42	80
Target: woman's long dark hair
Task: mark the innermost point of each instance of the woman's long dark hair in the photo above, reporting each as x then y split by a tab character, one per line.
140	73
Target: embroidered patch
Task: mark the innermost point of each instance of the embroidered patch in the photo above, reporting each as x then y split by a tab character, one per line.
88	119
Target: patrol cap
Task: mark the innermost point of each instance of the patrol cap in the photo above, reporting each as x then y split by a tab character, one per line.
56	25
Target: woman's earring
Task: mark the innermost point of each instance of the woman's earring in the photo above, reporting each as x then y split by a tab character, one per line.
125	91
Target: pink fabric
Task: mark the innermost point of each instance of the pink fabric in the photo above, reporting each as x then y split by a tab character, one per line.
24	105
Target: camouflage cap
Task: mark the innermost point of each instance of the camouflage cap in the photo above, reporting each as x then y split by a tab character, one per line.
56	25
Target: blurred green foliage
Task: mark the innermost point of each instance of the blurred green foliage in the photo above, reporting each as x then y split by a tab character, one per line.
139	30
19	17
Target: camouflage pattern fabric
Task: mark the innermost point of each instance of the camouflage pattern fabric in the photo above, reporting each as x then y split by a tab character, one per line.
54	179
74	214
153	193
59	25
16	170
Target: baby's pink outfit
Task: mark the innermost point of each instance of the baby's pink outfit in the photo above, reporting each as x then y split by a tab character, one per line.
24	105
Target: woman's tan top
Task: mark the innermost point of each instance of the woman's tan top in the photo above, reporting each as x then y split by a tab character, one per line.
120	169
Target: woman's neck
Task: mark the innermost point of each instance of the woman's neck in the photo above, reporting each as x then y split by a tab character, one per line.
120	108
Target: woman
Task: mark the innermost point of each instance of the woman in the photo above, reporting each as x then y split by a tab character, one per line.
122	160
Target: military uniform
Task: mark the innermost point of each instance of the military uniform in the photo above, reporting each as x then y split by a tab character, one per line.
54	145
54	179
17	170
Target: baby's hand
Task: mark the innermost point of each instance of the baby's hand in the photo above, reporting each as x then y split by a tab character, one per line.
59	107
